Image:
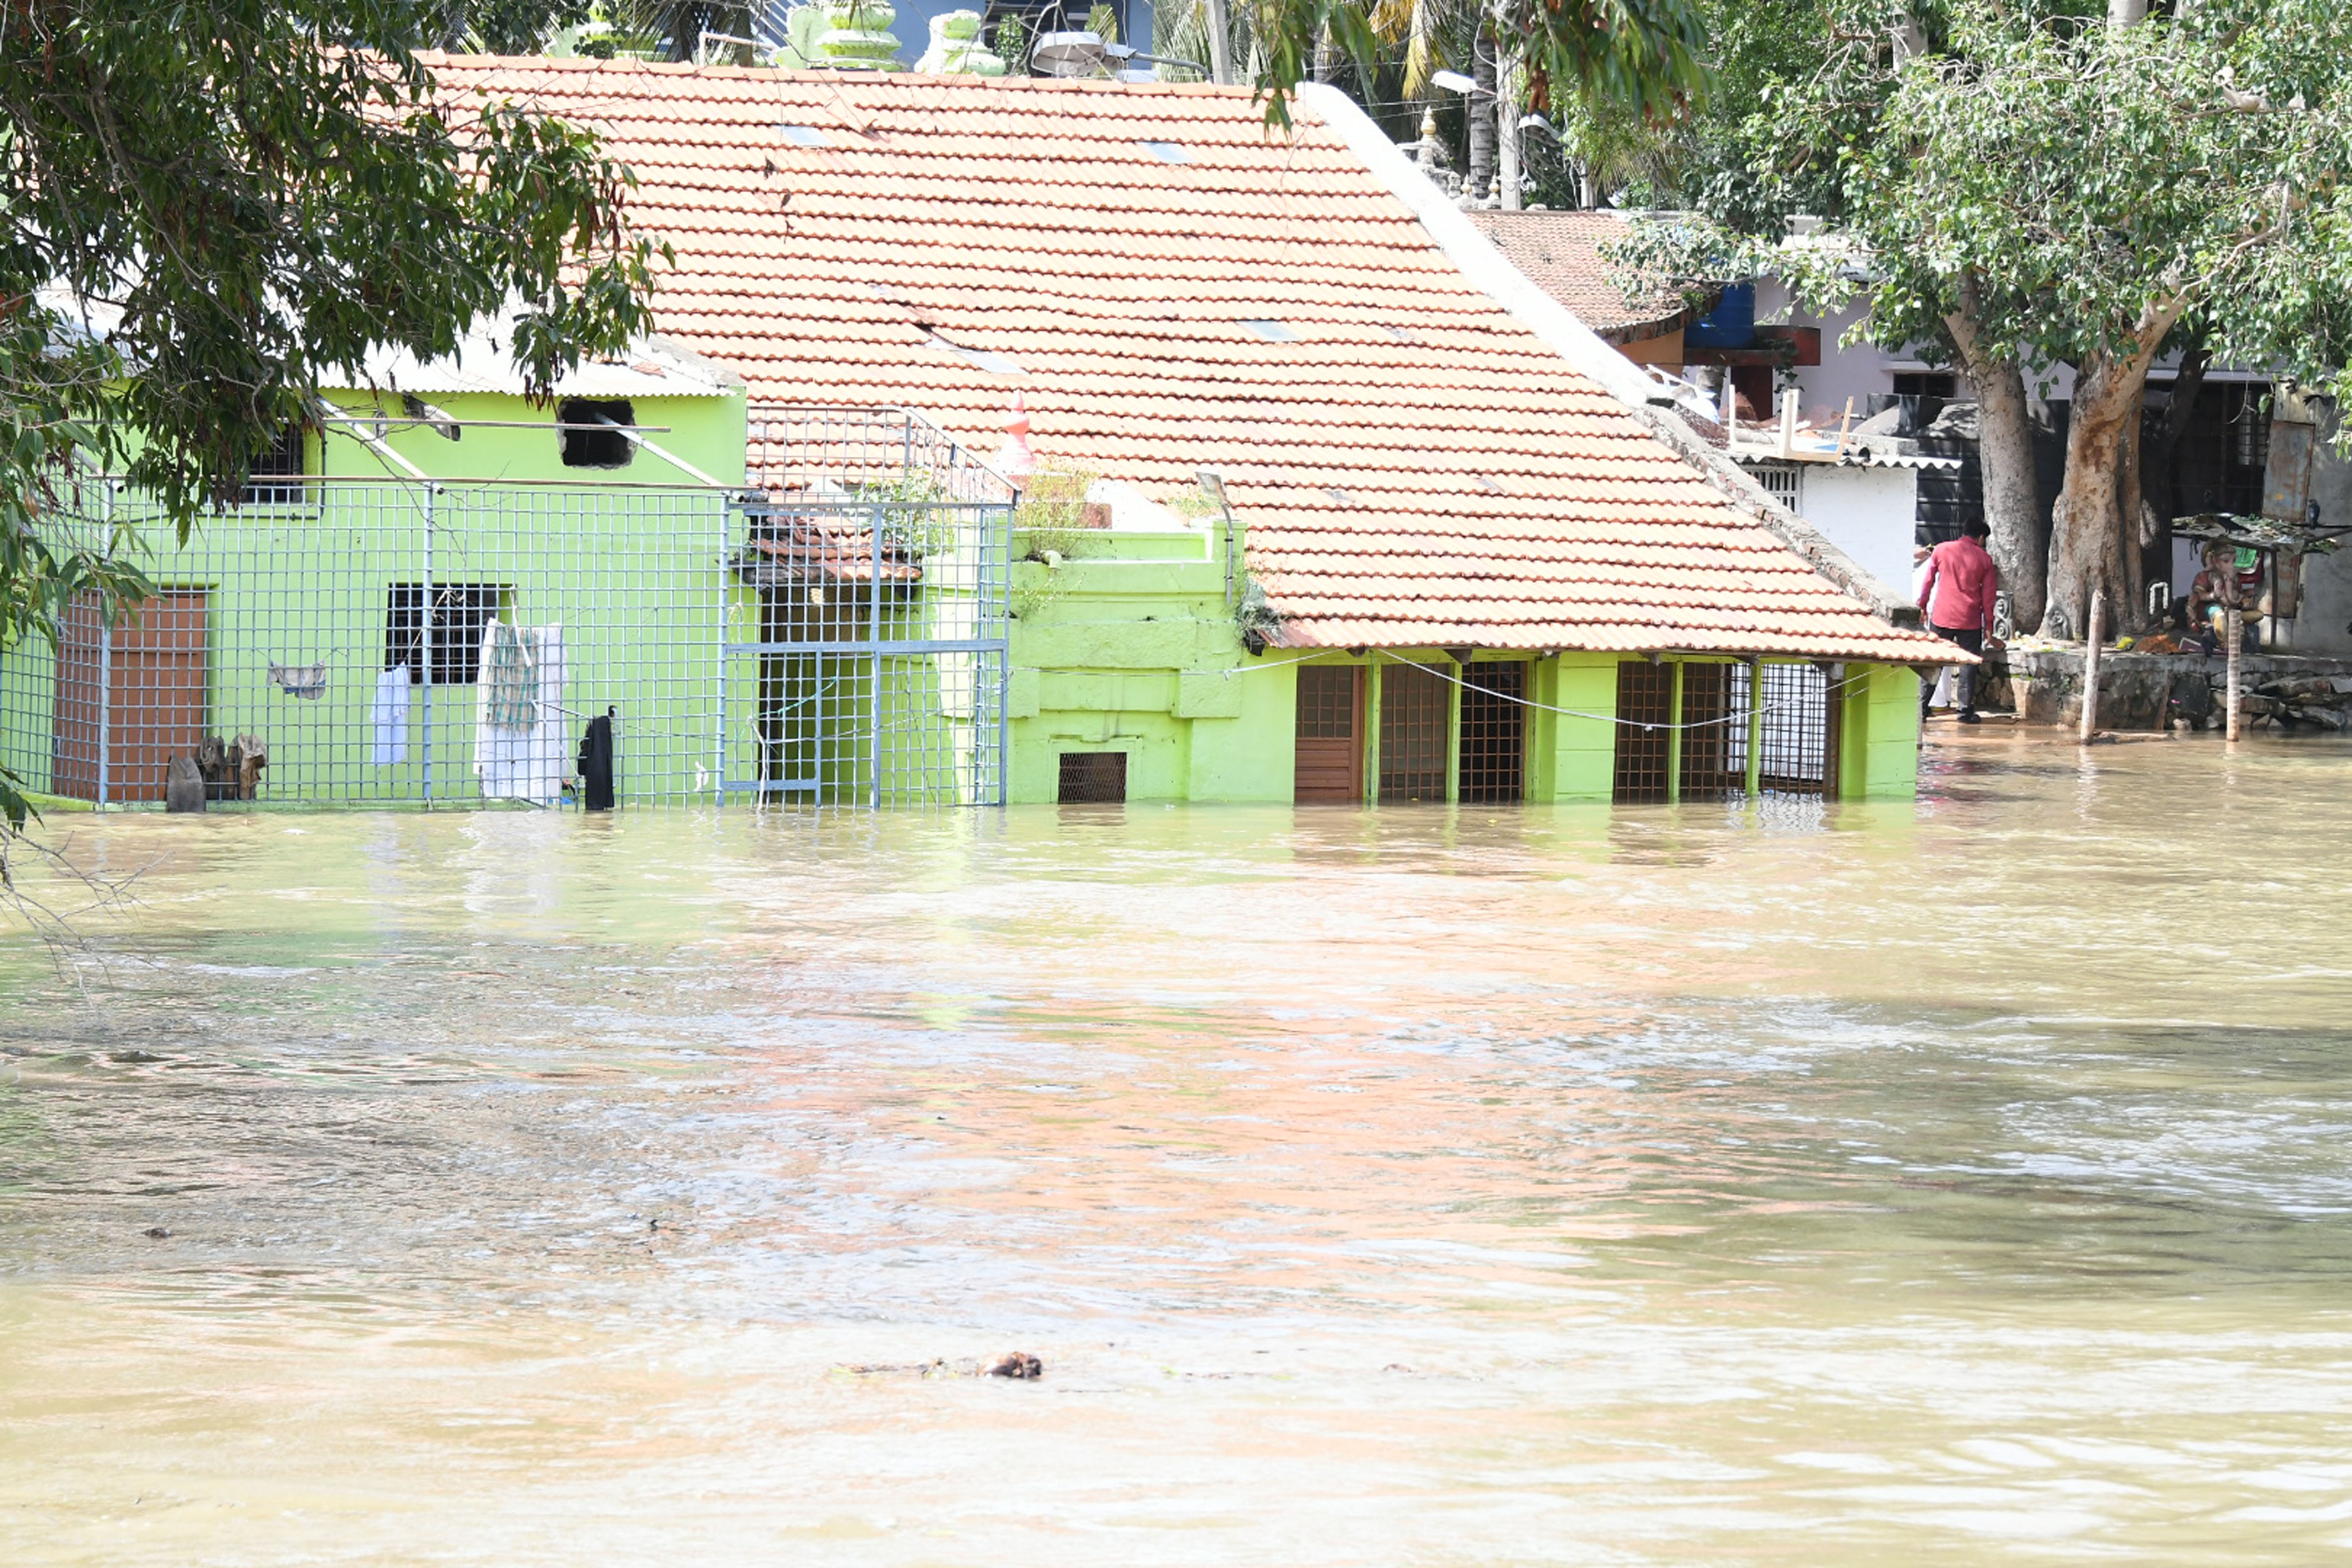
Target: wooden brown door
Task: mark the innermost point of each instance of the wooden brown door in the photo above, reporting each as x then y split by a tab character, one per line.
1331	735
148	677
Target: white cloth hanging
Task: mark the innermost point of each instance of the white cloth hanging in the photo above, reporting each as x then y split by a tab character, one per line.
389	716
526	761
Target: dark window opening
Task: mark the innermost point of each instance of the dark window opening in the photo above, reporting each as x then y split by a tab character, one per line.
462	612
1714	732
1094	777
275	476
1413	733
586	441
1645	696
1941	384
1494	732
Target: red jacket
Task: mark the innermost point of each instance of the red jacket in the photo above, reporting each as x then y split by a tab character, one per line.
1961	582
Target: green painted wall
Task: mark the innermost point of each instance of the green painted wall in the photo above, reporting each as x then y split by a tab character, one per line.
707	431
627	573
1878	757
1128	646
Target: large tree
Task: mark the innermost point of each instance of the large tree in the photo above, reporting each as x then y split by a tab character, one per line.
2085	185
2031	184
207	206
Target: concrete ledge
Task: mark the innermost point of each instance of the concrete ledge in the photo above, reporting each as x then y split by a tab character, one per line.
2150	690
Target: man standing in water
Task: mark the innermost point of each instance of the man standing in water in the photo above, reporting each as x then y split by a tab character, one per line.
1956	590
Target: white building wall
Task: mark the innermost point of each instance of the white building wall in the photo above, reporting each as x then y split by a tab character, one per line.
1869	514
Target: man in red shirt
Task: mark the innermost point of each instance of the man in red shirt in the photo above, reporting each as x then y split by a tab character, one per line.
1956	591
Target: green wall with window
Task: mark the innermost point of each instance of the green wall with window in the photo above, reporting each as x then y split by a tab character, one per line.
511	438
1127	646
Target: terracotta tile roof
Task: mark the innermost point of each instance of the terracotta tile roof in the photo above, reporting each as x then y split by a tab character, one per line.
1561	253
1415	464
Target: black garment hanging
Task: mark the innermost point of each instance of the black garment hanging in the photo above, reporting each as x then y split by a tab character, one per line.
596	764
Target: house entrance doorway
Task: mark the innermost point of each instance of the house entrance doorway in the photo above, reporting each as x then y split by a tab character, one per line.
129	697
1330	736
1414	721
1494	732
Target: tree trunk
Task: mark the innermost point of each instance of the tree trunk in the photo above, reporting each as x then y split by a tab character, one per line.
2160	468
2020	534
2087	534
2126	13
1480	111
2130	612
1507	128
1220	44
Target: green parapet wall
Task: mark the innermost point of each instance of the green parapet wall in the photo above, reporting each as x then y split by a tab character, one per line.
1129	647
1878	743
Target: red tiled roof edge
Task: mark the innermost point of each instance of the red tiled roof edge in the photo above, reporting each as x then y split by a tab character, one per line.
1488	269
1612	318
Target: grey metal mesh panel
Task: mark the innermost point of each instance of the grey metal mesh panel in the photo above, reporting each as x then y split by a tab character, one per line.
838	637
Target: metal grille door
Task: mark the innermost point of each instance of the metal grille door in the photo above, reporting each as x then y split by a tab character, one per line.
1413	723
877	561
1645	696
1494	732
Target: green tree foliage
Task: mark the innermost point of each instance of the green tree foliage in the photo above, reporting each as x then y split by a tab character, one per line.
1642	53
206	207
2042	183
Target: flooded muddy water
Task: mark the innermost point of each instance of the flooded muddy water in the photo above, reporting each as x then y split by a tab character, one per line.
1960	1182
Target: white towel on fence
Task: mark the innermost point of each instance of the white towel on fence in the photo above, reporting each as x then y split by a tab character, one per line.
525	762
389	716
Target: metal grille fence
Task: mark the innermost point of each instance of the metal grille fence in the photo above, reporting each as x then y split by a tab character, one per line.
1646	700
838	637
1800	732
1414	703
1701	748
1715	739
1494	732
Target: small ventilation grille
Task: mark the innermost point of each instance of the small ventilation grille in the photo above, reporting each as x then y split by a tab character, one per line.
1780	481
1093	778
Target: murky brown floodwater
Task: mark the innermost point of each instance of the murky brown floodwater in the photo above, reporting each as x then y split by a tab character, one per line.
1964	1183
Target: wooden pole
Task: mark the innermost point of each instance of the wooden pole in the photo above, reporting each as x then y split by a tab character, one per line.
2091	664
2234	627
1845	426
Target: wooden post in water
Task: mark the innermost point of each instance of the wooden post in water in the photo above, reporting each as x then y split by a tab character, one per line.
2091	664
2234	627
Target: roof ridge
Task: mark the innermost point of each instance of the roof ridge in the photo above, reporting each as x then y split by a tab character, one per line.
957	82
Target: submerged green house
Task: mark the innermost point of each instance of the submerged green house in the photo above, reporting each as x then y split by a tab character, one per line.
1319	500
1370	516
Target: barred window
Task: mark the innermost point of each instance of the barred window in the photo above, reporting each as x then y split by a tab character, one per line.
462	611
